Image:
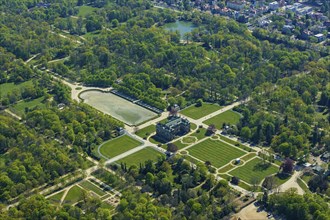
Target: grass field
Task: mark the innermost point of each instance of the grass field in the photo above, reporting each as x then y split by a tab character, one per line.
254	168
118	146
226	168
86	10
218	153
226	117
91	187
145	132
179	144
230	141
19	108
199	134
56	198
7	87
198	112
141	156
248	156
74	195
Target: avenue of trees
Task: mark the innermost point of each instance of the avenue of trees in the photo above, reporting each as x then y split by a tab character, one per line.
126	47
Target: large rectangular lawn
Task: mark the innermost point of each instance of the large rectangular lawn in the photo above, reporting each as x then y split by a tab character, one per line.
230	116
217	152
118	146
141	156
198	112
254	168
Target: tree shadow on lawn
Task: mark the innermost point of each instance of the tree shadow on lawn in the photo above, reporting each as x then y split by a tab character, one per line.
261	166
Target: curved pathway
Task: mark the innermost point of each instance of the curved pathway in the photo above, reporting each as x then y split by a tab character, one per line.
292	183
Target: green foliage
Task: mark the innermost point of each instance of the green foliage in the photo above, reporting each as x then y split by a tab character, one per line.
294	206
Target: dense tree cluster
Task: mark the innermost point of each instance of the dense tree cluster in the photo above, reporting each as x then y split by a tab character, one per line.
285	116
192	191
294	206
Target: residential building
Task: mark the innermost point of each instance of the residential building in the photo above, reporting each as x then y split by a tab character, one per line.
274	6
320	37
175	126
236	5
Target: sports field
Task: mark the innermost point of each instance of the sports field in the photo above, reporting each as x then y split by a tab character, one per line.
254	168
217	152
225	117
198	112
141	156
118	146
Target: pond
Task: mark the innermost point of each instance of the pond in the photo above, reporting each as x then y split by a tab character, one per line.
182	26
117	107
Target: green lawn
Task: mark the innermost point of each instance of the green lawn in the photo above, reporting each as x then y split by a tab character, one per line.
74	195
91	187
254	168
226	168
141	156
56	198
230	141
225	117
248	156
7	87
198	112
86	10
145	132
179	144
118	146
19	108
217	152
199	133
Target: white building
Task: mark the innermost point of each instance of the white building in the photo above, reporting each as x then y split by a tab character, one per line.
274	6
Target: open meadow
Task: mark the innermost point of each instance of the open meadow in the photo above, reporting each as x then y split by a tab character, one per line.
198	112
118	146
230	117
141	156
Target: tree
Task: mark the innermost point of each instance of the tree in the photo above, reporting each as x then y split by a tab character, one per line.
246	133
287	165
211	129
199	102
172	147
270	182
235	180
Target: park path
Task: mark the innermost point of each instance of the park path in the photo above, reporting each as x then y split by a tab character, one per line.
12	114
30	59
292	183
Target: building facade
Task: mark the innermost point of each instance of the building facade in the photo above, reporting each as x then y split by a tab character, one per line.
174	127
